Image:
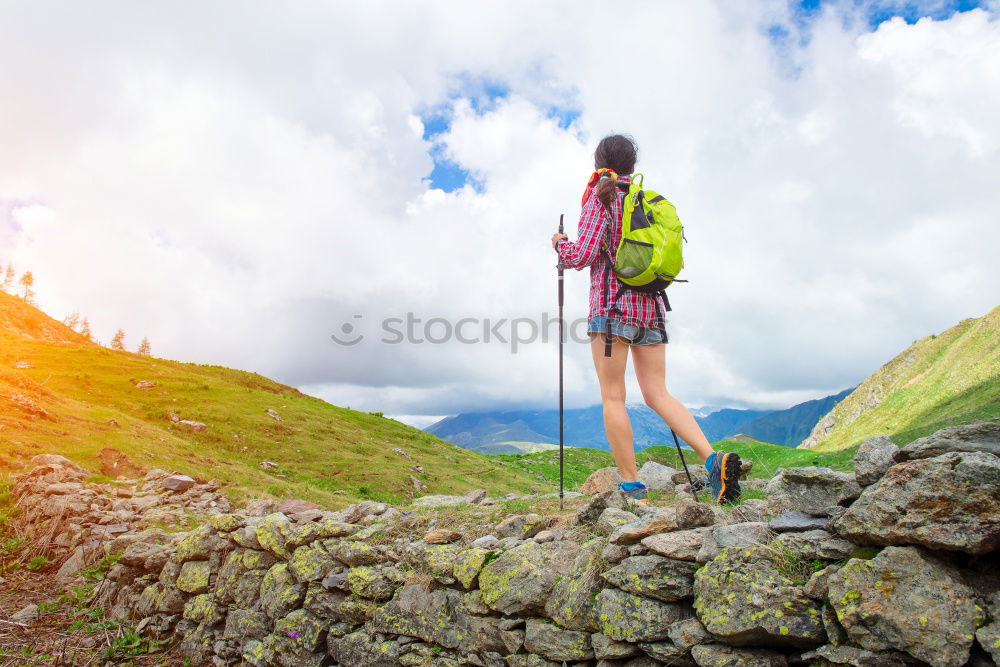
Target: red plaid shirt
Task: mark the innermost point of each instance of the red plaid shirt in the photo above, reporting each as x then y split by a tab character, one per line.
637	308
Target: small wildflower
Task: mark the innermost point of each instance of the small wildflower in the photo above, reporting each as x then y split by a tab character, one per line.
294	634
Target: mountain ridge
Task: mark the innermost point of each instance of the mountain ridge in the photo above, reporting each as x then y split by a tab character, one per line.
940	380
789	427
584	427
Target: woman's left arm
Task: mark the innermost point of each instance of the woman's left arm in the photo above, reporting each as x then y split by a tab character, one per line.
581	253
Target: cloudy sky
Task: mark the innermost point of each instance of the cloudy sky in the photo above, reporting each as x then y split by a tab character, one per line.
239	182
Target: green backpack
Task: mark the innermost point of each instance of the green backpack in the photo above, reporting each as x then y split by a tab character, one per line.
650	253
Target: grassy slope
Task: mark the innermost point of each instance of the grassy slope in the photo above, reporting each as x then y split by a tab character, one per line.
951	378
328	454
579	462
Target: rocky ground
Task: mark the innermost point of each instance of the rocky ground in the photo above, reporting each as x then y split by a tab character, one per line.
894	564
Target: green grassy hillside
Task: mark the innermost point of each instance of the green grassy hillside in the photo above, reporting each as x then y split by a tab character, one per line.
75	398
579	462
941	380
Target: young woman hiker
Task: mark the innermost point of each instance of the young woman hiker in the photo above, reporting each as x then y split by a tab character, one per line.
636	326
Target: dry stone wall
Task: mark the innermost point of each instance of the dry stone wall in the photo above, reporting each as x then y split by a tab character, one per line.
894	566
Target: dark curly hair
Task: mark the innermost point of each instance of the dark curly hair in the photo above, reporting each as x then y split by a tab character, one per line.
619	153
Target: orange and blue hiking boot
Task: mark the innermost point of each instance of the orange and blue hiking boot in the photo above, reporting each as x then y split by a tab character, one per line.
636	491
724	476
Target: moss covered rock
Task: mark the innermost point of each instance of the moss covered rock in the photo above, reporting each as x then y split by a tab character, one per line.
742	597
272	534
632	618
337	605
468	564
906	599
354	554
437	616
280	593
374	583
554	643
950	502
437	560
361	648
571	602
195	576
311	562
300	631
719	655
203	609
245	624
239	578
319	530
198	545
653	576
520	581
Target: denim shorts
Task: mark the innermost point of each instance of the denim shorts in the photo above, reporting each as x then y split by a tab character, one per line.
631	333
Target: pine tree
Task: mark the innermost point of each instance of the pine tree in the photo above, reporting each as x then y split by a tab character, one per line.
85	329
145	349
27	282
72	320
118	342
7	280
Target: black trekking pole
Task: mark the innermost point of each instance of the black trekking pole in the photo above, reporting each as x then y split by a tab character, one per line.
684	463
560	374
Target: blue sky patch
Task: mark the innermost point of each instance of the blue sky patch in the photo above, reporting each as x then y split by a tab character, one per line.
879	11
563	117
911	12
483	95
449	177
786	38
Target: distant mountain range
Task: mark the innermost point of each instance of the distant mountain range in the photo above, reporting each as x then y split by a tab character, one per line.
790	427
509	431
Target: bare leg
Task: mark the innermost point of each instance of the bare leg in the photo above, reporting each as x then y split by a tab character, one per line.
650	369
611	375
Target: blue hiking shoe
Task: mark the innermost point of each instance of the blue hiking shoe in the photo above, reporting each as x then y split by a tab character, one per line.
636	491
724	476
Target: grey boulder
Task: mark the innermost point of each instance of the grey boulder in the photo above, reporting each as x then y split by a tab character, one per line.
654	577
656	476
520	581
983	437
908	600
796	521
177	483
632	618
571	603
874	458
719	655
949	502
743	598
812	490
554	643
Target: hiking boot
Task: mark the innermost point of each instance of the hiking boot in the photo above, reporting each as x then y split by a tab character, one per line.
636	491
724	476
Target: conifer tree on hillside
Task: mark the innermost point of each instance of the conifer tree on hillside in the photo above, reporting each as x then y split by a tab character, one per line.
85	329
72	320
145	348
118	342
7	278
26	282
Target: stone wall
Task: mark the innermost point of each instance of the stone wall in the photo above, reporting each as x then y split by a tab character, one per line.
895	564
